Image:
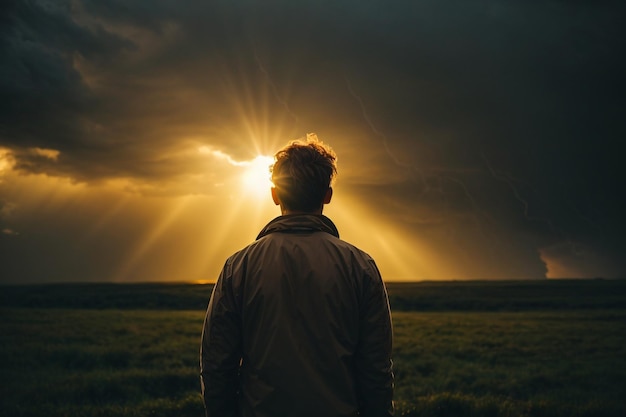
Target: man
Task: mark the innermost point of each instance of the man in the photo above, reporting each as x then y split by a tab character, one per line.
298	323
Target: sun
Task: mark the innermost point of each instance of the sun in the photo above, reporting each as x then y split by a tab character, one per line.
256	179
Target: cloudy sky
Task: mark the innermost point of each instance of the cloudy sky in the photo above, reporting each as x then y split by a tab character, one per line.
476	139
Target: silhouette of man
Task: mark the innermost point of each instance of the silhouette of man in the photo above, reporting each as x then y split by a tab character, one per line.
298	323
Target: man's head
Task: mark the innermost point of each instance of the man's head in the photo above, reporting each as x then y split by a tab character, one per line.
302	174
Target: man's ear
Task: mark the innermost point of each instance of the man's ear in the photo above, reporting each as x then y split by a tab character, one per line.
329	195
275	197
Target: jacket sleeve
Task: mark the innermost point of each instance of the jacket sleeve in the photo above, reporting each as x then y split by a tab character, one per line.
220	350
373	365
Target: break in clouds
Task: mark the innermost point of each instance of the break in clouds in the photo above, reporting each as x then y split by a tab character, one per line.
485	133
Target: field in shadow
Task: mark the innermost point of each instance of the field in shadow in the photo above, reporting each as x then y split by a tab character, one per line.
482	349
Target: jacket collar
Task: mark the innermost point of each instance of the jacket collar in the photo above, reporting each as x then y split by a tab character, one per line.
298	223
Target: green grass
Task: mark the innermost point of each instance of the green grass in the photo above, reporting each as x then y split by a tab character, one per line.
90	362
511	364
80	362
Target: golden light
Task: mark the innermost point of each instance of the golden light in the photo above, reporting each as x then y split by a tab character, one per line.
256	177
6	160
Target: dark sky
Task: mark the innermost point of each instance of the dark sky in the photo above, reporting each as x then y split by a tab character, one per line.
476	139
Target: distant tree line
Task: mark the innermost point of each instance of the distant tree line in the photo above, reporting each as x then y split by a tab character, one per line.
413	296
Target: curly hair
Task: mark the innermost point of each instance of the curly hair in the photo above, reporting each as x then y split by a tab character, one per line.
302	173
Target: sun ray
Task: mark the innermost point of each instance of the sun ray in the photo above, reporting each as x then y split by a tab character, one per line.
398	255
145	243
106	217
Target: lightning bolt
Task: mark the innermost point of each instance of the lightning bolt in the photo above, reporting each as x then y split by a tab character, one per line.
274	89
374	129
427	179
408	167
510	181
436	181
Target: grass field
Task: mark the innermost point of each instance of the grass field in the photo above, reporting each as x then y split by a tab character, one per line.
487	361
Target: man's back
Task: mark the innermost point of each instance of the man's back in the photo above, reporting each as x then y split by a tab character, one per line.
298	323
315	326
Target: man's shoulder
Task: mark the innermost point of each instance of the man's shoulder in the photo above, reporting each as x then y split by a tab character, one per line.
247	250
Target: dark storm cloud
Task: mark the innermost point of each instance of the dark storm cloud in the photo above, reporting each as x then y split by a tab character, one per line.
494	121
101	126
41	89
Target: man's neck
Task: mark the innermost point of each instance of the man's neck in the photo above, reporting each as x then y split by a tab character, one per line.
285	212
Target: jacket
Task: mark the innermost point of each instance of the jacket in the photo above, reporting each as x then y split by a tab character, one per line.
298	324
